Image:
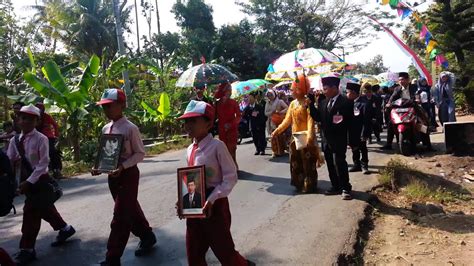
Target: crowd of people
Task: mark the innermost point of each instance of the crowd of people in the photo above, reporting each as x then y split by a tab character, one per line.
290	124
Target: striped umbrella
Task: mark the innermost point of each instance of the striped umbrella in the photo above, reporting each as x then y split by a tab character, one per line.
371	79
205	74
309	61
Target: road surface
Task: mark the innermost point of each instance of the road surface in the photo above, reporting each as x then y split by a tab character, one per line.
271	223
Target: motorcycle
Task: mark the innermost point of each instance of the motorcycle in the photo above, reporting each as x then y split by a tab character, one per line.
404	121
244	130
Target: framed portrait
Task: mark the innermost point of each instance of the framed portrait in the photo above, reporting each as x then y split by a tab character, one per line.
191	191
108	155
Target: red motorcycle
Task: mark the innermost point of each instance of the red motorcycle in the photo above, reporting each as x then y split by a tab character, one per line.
403	117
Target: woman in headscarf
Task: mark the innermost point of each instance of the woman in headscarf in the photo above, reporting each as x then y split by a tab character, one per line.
305	160
425	98
444	97
275	110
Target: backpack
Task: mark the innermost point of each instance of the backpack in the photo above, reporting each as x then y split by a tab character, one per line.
7	186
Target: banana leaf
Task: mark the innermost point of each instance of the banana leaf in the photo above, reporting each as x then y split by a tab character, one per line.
53	75
89	76
44	88
66	69
32	60
164	107
150	110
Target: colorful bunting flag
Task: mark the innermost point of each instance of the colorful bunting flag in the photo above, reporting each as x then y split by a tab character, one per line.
431	45
393	3
428	37
441	60
406	13
409	52
423	32
385	2
433	54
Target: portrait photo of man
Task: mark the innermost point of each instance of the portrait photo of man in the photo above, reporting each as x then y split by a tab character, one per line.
193	198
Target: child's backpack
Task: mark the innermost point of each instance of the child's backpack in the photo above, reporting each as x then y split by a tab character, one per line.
7	186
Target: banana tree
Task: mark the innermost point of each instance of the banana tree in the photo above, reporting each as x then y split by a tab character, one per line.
161	115
66	96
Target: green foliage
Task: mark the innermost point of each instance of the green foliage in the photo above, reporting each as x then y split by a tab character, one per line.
195	19
373	67
65	95
394	167
451	24
419	190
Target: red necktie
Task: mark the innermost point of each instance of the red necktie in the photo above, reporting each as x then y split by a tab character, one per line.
193	155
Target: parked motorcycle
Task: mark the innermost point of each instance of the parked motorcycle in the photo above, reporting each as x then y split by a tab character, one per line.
403	117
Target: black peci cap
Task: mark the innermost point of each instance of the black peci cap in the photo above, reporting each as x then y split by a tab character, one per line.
330	81
353	87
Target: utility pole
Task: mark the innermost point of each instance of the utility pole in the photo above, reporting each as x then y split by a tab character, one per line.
121	47
138	31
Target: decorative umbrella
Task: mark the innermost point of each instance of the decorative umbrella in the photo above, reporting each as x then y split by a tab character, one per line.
371	79
240	88
316	84
387	76
309	61
205	74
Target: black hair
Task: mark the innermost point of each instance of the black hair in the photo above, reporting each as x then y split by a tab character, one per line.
7	124
21	104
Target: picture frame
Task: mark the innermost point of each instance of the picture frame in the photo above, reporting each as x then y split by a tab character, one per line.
108	155
191	191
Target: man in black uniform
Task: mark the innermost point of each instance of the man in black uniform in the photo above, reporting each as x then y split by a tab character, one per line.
360	128
375	101
335	114
255	113
403	90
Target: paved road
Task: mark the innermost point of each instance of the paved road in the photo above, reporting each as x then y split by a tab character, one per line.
271	225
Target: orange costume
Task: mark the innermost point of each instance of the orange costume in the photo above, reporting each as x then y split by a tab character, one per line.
228	115
303	162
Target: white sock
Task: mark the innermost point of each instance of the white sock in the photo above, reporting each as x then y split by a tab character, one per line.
66	228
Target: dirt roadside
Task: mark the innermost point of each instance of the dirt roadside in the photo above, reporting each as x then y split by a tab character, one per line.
425	214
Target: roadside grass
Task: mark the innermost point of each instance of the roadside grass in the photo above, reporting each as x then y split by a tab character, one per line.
400	177
174	144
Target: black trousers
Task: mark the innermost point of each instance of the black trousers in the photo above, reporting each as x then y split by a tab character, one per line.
337	167
54	156
360	155
259	139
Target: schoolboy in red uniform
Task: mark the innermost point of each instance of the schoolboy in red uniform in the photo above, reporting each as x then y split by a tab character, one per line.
221	177
33	146
123	182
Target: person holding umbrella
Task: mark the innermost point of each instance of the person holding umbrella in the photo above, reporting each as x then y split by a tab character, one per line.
228	115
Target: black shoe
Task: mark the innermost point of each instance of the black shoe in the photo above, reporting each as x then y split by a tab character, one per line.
250	263
109	263
387	147
146	244
355	169
365	171
370	141
332	191
262	153
256	153
63	236
346	195
24	257
378	139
